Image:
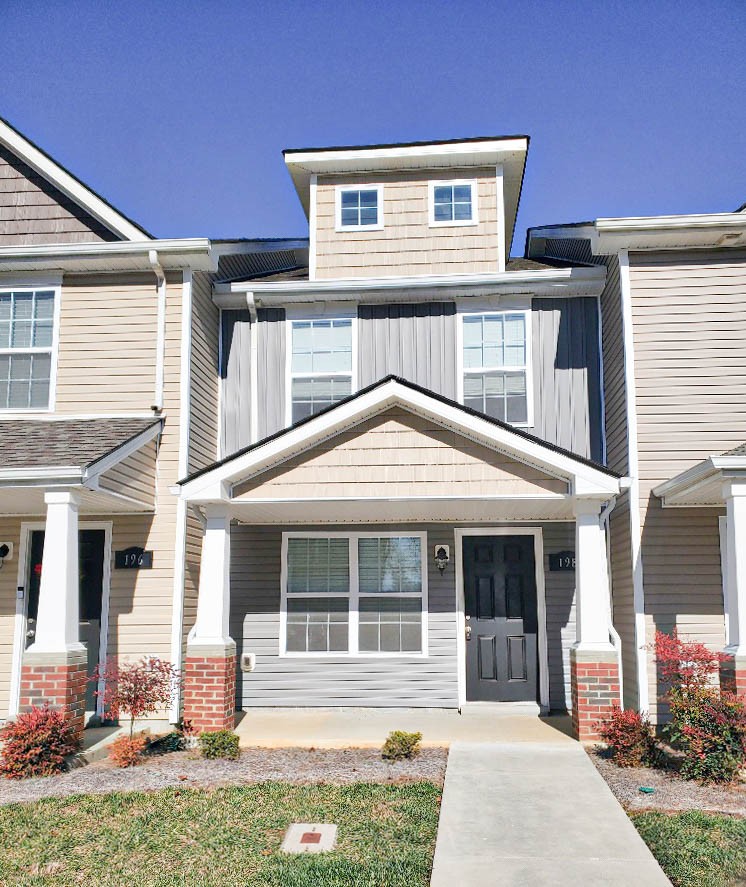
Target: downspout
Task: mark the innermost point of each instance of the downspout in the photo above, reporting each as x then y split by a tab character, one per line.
254	370
615	636
160	346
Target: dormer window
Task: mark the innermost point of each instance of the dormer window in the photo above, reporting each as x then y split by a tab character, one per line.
453	203
359	208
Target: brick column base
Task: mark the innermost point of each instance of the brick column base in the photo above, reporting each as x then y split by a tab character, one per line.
733	674
210	687
594	681
58	680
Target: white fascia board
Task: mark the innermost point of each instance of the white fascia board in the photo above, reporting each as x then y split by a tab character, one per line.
102	465
582	281
216	484
675	489
68	184
195	253
660	232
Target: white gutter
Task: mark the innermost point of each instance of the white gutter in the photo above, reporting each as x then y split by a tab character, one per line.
253	371
160	344
173	247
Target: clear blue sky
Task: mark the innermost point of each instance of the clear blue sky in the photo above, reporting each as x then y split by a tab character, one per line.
177	111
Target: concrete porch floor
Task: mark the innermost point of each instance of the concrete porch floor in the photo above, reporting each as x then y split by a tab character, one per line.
369	727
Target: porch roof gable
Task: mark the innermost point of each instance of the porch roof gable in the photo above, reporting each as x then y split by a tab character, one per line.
216	482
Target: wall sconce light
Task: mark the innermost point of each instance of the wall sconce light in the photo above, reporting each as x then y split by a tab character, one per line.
442	556
6	552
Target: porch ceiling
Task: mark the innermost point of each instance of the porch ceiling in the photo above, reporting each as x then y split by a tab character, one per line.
29	501
702	484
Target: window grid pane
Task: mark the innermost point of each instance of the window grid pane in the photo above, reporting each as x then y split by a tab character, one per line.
26	323
318	566
321	364
390	625
359	208
317	625
390	565
452	203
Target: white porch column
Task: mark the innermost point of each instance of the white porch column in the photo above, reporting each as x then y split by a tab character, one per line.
591	578
734	492
58	617
213	604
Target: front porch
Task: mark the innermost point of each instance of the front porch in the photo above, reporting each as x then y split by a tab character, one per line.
390	552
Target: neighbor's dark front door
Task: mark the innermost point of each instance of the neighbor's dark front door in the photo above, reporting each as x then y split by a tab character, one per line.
501	620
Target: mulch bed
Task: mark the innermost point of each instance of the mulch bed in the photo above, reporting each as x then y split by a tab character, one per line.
671	792
188	769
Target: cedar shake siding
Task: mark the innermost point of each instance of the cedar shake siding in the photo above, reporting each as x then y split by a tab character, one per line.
416	681
407	244
690	373
33	211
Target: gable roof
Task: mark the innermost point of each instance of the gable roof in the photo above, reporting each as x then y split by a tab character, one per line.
372	400
70	185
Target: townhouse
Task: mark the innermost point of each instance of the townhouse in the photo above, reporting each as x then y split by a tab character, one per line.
388	465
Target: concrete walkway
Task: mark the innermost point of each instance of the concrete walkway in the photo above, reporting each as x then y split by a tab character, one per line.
535	813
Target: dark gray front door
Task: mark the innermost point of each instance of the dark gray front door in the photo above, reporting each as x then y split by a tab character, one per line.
501	621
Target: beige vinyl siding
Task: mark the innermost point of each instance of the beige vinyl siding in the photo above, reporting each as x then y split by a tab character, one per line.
407	244
10	531
107	342
33	211
134	476
399	454
690	374
203	423
366	680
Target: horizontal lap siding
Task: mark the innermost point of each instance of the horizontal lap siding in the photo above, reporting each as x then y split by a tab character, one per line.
690	372
134	476
407	244
400	681
107	350
32	211
203	401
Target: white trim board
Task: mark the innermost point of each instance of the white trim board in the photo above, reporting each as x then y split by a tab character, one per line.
541	608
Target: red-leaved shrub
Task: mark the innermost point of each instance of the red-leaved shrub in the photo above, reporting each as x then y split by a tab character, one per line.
137	689
707	725
36	743
629	736
127	751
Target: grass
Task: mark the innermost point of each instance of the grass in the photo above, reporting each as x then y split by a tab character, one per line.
226	836
696	849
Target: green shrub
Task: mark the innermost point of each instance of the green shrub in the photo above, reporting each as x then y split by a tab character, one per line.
220	744
400	745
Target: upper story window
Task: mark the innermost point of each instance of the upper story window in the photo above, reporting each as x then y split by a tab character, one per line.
26	346
359	593
359	208
453	203
321	364
495	361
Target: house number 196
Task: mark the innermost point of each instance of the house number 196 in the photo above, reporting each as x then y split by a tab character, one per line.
133	559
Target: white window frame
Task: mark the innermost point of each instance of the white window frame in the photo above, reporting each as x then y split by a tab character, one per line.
37	285
528	368
346	189
353	596
290	319
453	223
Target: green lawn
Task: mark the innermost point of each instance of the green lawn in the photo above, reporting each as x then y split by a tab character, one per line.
226	836
696	849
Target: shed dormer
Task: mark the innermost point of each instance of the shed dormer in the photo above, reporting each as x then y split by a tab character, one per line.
410	209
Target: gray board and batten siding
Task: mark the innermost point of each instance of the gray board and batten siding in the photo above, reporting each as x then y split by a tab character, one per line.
418	342
417	681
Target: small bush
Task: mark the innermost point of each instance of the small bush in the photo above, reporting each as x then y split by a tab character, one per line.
220	744
629	736
127	751
138	689
36	743
173	741
400	745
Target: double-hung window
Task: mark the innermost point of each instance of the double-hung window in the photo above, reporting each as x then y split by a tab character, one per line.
453	203
321	364
26	345
359	207
496	365
357	593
